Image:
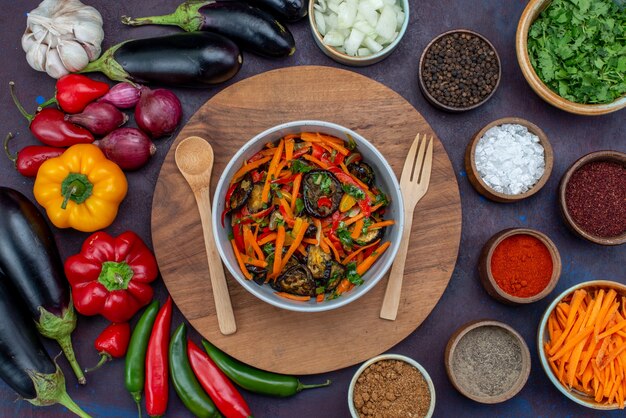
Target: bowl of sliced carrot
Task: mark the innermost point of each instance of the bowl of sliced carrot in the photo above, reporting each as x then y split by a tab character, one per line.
582	344
308	216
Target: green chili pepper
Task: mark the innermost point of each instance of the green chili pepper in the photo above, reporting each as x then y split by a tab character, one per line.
255	380
185	383
134	372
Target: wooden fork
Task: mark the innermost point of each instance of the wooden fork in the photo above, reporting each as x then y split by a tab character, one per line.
413	184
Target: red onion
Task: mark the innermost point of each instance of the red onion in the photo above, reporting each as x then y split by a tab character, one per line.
158	112
99	118
122	96
129	148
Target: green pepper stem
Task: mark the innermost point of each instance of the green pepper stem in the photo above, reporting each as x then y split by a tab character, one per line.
302	386
67	402
6	148
186	16
66	197
104	357
76	187
52	100
19	106
137	398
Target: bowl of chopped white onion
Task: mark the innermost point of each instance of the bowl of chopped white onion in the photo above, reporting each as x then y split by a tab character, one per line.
358	32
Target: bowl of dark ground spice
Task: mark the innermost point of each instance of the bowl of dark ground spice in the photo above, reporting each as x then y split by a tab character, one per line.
519	266
391	385
487	361
459	70
592	195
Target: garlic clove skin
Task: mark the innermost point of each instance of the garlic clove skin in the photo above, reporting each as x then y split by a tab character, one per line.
93	51
36	56
88	32
28	41
54	65
72	55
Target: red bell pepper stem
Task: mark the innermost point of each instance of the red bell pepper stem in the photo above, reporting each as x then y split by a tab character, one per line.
30	158
157	369
215	383
112	343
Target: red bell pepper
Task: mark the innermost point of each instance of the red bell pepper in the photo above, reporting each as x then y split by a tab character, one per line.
157	368
229	194
76	91
112	343
111	275
50	127
363	203
216	384
28	160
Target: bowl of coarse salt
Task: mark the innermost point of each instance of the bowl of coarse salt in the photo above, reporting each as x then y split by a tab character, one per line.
508	160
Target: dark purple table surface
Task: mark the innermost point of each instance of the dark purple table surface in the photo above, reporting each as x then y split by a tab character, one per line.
464	299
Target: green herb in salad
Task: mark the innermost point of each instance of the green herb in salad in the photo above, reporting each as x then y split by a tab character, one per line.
352	276
297	166
578	49
353	191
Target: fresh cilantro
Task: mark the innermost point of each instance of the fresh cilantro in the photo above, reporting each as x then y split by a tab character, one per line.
351	145
231	236
276	189
320	290
577	49
344	236
352	276
367	222
299	206
325	183
353	191
381	198
298	166
268	249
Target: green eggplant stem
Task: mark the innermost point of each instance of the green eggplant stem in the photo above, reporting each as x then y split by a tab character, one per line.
186	16
67	402
50	389
68	350
107	65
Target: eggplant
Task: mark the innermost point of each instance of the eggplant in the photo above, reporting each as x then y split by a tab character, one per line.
24	363
241	193
255	202
31	262
363	171
321	193
318	262
297	280
286	10
199	59
370	236
253	29
335	274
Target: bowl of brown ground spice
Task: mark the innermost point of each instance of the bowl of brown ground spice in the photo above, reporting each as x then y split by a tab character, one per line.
391	385
592	196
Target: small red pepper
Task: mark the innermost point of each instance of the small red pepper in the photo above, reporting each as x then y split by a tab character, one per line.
76	91
111	275
324	202
28	160
257	176
112	343
215	383
157	368
50	127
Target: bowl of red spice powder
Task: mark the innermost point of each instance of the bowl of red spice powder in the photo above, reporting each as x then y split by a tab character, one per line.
592	195
519	266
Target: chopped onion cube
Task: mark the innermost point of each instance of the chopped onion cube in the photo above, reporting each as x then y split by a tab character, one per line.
372	45
320	5
399	19
363	52
346	15
386	25
333	38
354	41
375	4
365	27
368	13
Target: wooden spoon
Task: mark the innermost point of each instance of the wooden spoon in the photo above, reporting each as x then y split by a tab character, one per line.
194	158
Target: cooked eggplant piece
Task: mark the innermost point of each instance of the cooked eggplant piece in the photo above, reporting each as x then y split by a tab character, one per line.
255	201
362	171
297	280
337	272
258	273
241	193
275	218
370	236
318	262
321	193
311	231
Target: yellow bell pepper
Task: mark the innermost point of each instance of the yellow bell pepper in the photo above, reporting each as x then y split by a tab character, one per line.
81	188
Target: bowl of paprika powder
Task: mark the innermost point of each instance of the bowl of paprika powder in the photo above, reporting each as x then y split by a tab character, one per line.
519	266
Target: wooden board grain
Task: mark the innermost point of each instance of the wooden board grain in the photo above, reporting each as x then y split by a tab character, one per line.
290	342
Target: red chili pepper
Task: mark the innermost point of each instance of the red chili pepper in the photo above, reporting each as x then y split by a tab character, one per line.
215	383
285	180
50	127
76	91
111	275
317	151
300	152
257	176
157	369
364	203
229	194
30	158
112	343
324	202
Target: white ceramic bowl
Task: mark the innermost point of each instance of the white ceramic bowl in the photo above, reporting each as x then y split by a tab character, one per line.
542	337
385	178
429	381
357	61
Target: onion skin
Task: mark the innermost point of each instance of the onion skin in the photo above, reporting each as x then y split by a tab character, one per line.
130	148
122	96
99	118
158	112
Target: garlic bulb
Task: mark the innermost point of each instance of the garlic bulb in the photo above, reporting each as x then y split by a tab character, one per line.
62	36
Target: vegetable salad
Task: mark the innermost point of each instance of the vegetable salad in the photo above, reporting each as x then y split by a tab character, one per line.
307	217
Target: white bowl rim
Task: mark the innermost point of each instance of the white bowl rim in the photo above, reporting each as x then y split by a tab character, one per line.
541	333
391	356
344	299
374	56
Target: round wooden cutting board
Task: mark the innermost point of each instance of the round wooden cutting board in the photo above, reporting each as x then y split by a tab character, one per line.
290	342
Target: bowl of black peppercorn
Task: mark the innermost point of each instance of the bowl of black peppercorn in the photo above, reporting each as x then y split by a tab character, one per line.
459	70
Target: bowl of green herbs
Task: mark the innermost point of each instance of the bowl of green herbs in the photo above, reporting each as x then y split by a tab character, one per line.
573	53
